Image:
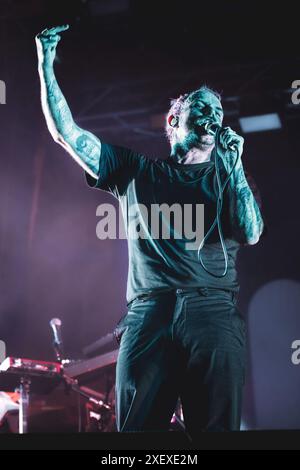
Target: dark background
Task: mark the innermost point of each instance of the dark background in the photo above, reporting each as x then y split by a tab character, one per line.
119	65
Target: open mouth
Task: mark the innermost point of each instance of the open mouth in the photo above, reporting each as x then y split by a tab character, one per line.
201	131
202	126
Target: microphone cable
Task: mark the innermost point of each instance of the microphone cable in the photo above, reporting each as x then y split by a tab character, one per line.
217	219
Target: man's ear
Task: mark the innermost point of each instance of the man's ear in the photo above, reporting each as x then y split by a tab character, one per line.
173	120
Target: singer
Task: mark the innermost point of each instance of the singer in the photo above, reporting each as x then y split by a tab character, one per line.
182	335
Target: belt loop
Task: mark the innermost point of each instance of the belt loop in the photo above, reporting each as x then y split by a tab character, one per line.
179	291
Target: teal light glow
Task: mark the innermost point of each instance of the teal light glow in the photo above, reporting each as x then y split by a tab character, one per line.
264	122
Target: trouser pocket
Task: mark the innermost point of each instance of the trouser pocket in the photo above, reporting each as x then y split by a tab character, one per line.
120	328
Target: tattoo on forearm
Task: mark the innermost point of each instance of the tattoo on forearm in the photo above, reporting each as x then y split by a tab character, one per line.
245	213
85	145
240	179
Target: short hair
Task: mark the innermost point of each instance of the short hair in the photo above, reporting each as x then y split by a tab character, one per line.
178	104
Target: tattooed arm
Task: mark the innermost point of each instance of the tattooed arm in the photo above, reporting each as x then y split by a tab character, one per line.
82	145
246	218
245	214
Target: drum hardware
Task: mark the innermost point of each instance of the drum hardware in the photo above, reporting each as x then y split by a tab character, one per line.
27	375
32	376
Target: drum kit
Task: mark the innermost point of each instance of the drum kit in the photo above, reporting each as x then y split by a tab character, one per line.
62	396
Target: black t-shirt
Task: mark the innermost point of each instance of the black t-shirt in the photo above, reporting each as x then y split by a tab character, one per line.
167	256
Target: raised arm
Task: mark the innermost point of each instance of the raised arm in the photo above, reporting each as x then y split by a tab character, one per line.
82	145
246	218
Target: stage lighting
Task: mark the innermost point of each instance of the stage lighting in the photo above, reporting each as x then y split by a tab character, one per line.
263	122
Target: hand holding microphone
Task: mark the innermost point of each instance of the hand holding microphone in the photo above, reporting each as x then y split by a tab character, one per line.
229	139
229	145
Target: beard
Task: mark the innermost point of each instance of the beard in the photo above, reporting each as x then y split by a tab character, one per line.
206	141
195	139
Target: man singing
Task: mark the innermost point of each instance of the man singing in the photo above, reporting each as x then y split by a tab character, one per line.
182	335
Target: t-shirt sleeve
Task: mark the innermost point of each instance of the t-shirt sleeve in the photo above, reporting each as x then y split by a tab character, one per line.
118	166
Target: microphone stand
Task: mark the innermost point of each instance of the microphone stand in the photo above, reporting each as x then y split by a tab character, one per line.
72	384
24	404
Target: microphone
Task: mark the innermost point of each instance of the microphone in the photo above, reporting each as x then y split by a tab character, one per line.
212	127
55	324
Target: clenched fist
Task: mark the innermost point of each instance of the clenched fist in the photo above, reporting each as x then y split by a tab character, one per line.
46	43
231	148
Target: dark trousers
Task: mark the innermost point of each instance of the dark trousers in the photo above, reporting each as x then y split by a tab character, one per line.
181	343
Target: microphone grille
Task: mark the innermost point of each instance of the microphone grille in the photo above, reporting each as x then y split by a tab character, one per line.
211	128
55	322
